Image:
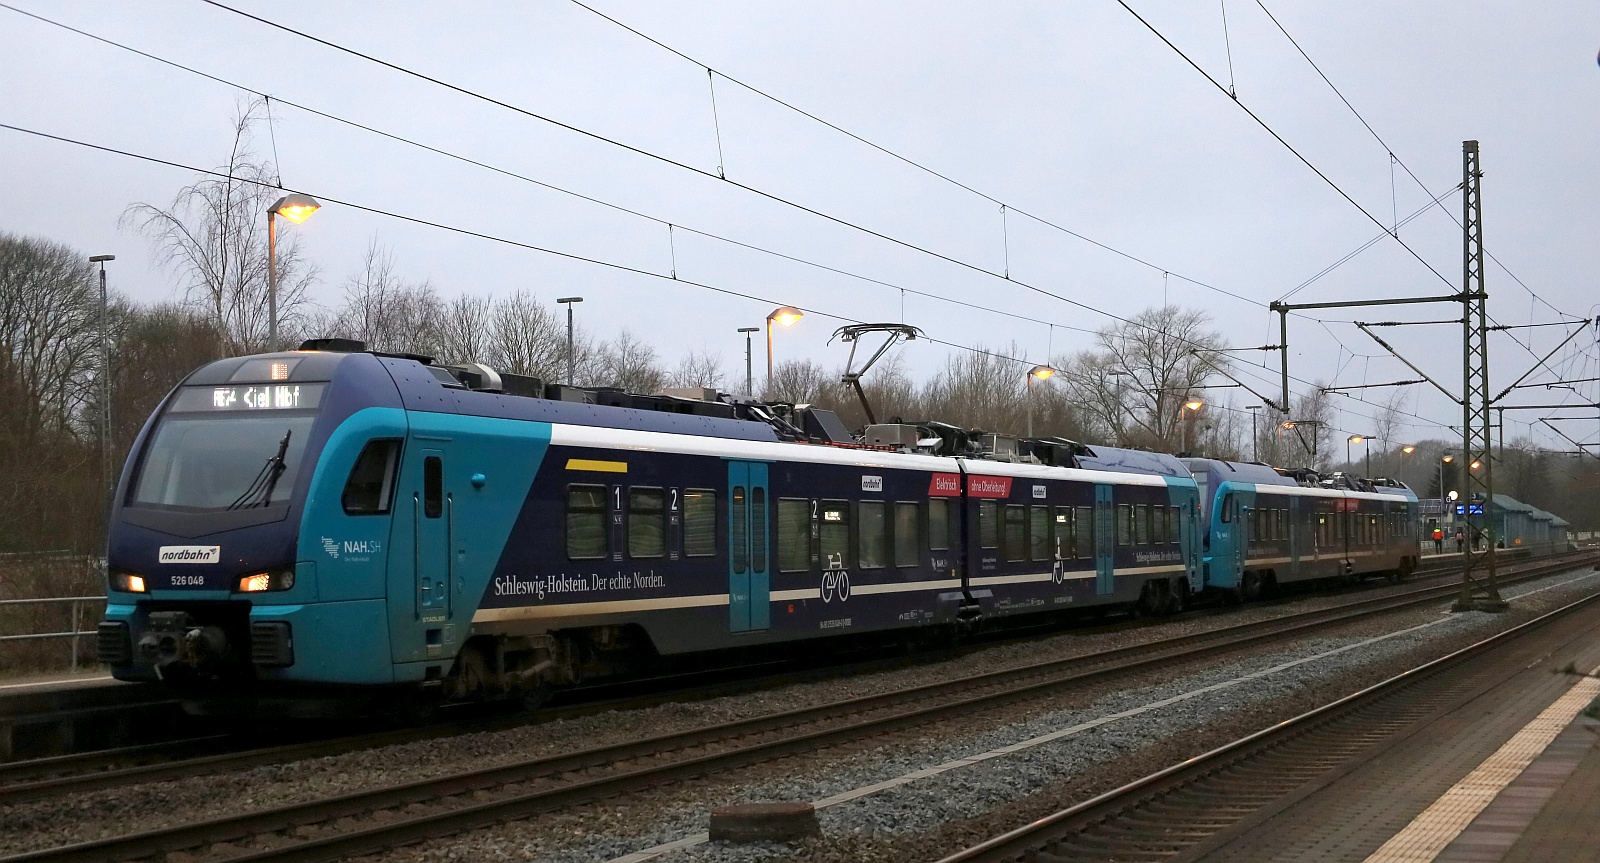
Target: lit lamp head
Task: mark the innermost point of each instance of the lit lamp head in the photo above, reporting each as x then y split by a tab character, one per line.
786	315
1288	425
1043	373
1194	404
1408	449
1448	459
1355	438
1476	465
296	207
1454	494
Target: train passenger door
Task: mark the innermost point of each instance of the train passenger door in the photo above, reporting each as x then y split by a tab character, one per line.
749	584
1105	540
433	514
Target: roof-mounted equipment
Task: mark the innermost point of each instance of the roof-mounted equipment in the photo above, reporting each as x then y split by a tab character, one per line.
852	333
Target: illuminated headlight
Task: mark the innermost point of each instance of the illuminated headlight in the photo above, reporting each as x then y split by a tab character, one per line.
126	581
280	579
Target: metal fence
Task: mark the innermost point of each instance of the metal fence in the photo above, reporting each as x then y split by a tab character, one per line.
77	603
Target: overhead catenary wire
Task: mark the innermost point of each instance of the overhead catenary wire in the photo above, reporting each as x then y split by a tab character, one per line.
511	174
1394	159
843	222
354	205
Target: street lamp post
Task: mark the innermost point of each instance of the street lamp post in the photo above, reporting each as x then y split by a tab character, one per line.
1043	373
1443	460
105	377
1365	441
296	208
572	356
1255	437
1190	406
785	315
749	382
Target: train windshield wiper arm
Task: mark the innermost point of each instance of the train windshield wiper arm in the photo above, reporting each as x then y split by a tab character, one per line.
266	480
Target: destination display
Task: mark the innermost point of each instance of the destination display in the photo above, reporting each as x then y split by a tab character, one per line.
249	397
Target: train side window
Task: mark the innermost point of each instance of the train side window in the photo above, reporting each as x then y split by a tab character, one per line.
370	487
834	534
1124	524
1083	531
988	524
1141	525
1066	537
794	534
758	529
647	522
739	524
699	522
1227	509
938	525
1158	524
907	544
586	522
432	487
1016	540
871	530
1174	525
1039	546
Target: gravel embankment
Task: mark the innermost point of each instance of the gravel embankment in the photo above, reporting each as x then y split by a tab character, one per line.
597	831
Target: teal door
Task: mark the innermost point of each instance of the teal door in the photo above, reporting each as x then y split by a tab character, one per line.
1105	540
749	584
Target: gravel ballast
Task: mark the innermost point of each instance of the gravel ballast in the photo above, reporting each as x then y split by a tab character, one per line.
603	831
870	826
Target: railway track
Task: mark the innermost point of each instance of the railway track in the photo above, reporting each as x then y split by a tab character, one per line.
368	821
1191	809
204	753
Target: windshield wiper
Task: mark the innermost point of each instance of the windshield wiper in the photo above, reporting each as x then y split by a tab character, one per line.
266	480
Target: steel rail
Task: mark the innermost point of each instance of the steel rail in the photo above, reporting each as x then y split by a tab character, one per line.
35	779
1232	762
774	736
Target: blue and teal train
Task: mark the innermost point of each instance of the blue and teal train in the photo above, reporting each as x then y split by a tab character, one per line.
338	518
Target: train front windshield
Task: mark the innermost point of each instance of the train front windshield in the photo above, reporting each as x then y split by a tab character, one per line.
228	447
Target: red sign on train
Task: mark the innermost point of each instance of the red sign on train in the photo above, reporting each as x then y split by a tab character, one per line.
988	486
944	485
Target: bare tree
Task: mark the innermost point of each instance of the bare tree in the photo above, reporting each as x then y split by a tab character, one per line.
980	390
528	338
1136	380
466	330
699	369
799	382
628	363
49	469
214	235
387	312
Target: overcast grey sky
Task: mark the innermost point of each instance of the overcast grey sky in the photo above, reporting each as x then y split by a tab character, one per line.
1071	111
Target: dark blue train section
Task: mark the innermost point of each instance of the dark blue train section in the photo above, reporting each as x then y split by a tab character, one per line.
343	518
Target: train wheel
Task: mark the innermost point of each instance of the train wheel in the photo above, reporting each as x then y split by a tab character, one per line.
1251	588
1181	598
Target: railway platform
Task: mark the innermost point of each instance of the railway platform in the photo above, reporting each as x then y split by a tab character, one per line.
1511	772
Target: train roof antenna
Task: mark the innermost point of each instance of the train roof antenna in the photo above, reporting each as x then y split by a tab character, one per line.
852	334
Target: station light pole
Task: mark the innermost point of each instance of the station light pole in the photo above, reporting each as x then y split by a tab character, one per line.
1190	406
105	376
296	208
1043	373
785	315
749	380
1255	436
1365	441
572	361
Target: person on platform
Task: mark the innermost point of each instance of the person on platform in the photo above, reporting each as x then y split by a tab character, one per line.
1461	541
1438	540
